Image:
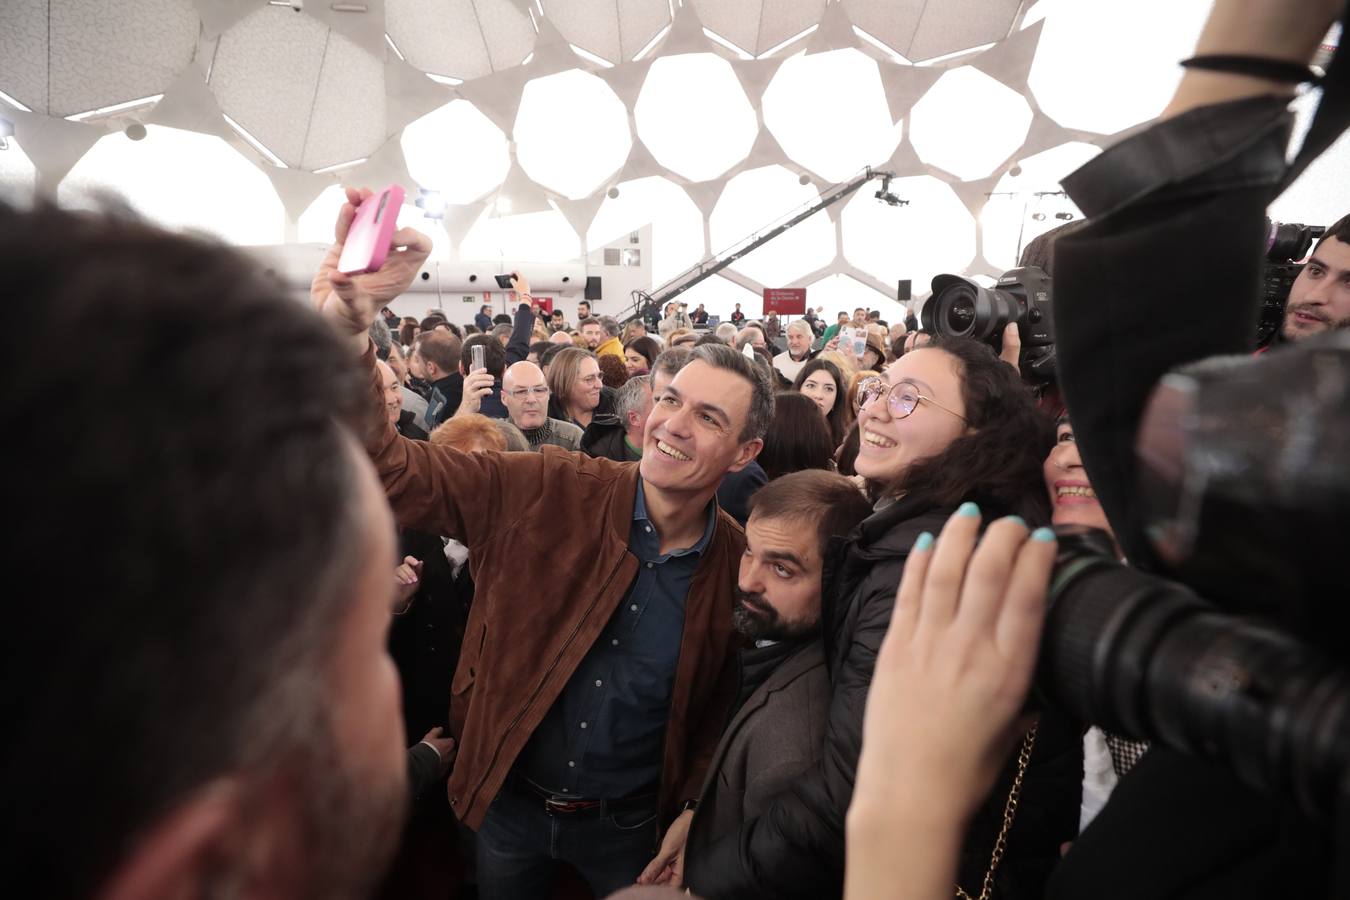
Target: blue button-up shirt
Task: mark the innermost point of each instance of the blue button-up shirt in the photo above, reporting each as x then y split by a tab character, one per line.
604	736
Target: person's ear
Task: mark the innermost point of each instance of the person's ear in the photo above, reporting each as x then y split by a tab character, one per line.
208	845
746	453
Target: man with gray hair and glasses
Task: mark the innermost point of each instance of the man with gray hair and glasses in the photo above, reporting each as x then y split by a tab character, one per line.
525	395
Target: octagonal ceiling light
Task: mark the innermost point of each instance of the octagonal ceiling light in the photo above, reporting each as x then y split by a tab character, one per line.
571	132
694	116
677	224
306	93
63	58
932	235
967	123
456	150
829	113
1024	206
528	237
844	293
18	176
315	225
1104	67
459	39
754	201
182	180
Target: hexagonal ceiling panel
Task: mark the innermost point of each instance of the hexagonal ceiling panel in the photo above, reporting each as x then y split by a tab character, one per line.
757	26
615	31
921	29
677	224
456	150
181	179
693	115
829	113
460	38
967	123
752	202
571	132
276	68
1104	67
932	235
1024	206
69	56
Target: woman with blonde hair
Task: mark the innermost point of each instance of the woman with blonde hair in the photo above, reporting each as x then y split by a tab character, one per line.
577	390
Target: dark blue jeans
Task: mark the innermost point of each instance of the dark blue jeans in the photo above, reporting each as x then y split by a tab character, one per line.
519	843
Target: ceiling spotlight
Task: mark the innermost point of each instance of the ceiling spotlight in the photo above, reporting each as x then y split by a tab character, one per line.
135	131
1015	171
1064	216
612	193
1039	217
804	179
432	203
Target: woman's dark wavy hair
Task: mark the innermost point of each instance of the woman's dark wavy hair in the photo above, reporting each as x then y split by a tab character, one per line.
798	438
838	418
999	463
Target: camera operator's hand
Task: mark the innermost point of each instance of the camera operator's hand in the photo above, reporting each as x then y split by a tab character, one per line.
1012	346
477	385
351	302
950	679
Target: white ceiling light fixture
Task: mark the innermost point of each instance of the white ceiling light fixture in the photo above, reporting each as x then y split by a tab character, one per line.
551	108
693	115
651	45
1105	67
967	123
789	42
6	98
590	57
230	196
458	150
105	111
829	113
254	142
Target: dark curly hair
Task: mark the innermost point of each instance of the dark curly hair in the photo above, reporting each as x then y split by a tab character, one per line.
999	463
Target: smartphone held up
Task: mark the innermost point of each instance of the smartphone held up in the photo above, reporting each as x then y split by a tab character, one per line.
371	232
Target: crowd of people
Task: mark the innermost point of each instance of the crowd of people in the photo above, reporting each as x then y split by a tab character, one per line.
528	609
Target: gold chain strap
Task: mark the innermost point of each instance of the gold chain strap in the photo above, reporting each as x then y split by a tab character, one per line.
1009	813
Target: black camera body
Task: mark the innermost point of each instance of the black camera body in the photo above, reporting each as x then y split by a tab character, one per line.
960	307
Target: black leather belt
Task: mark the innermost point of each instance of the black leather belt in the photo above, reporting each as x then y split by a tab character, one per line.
556	805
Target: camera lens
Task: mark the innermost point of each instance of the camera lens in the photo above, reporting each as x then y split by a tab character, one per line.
959	315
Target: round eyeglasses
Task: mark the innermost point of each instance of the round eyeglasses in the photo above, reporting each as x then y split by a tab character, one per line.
902	397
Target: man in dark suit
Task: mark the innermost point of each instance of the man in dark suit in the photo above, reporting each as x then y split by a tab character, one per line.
782	705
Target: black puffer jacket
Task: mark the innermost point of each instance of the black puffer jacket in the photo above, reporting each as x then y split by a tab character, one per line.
796	848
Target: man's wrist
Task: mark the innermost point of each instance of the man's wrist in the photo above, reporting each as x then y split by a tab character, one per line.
433	748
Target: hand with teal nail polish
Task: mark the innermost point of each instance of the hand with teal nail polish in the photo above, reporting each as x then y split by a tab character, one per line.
947	691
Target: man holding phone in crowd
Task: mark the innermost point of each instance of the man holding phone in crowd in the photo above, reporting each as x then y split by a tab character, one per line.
596	671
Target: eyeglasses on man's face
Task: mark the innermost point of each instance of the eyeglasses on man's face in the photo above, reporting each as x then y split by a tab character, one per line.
901	398
540	392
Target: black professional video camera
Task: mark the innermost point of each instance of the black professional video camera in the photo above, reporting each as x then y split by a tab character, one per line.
1245	495
960	307
1286	242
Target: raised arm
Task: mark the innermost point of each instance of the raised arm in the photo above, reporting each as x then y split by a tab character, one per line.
518	347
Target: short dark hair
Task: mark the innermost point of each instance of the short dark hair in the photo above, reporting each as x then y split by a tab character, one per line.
798	437
502	329
430	323
589	320
646	347
557	312
998	462
193	635
720	356
539	348
546	357
826	500
1340	230
494	354
501	319
671	361
440	349
611	325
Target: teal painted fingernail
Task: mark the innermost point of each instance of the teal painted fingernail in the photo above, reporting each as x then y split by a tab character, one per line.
1017	520
1044	535
968	509
924	542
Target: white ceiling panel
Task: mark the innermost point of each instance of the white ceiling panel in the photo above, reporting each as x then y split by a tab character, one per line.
460	38
615	30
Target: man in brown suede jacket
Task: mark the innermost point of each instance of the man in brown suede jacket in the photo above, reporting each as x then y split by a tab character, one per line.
596	670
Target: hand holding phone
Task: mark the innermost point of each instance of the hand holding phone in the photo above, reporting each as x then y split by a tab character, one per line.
476	353
368	239
504	282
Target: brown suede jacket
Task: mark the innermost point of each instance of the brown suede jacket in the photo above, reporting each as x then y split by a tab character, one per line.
547	535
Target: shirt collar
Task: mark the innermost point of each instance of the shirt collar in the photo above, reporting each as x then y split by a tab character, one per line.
640	515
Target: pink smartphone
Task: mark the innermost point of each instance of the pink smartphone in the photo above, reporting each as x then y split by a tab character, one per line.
368	240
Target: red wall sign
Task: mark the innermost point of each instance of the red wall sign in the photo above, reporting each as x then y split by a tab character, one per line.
785	301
